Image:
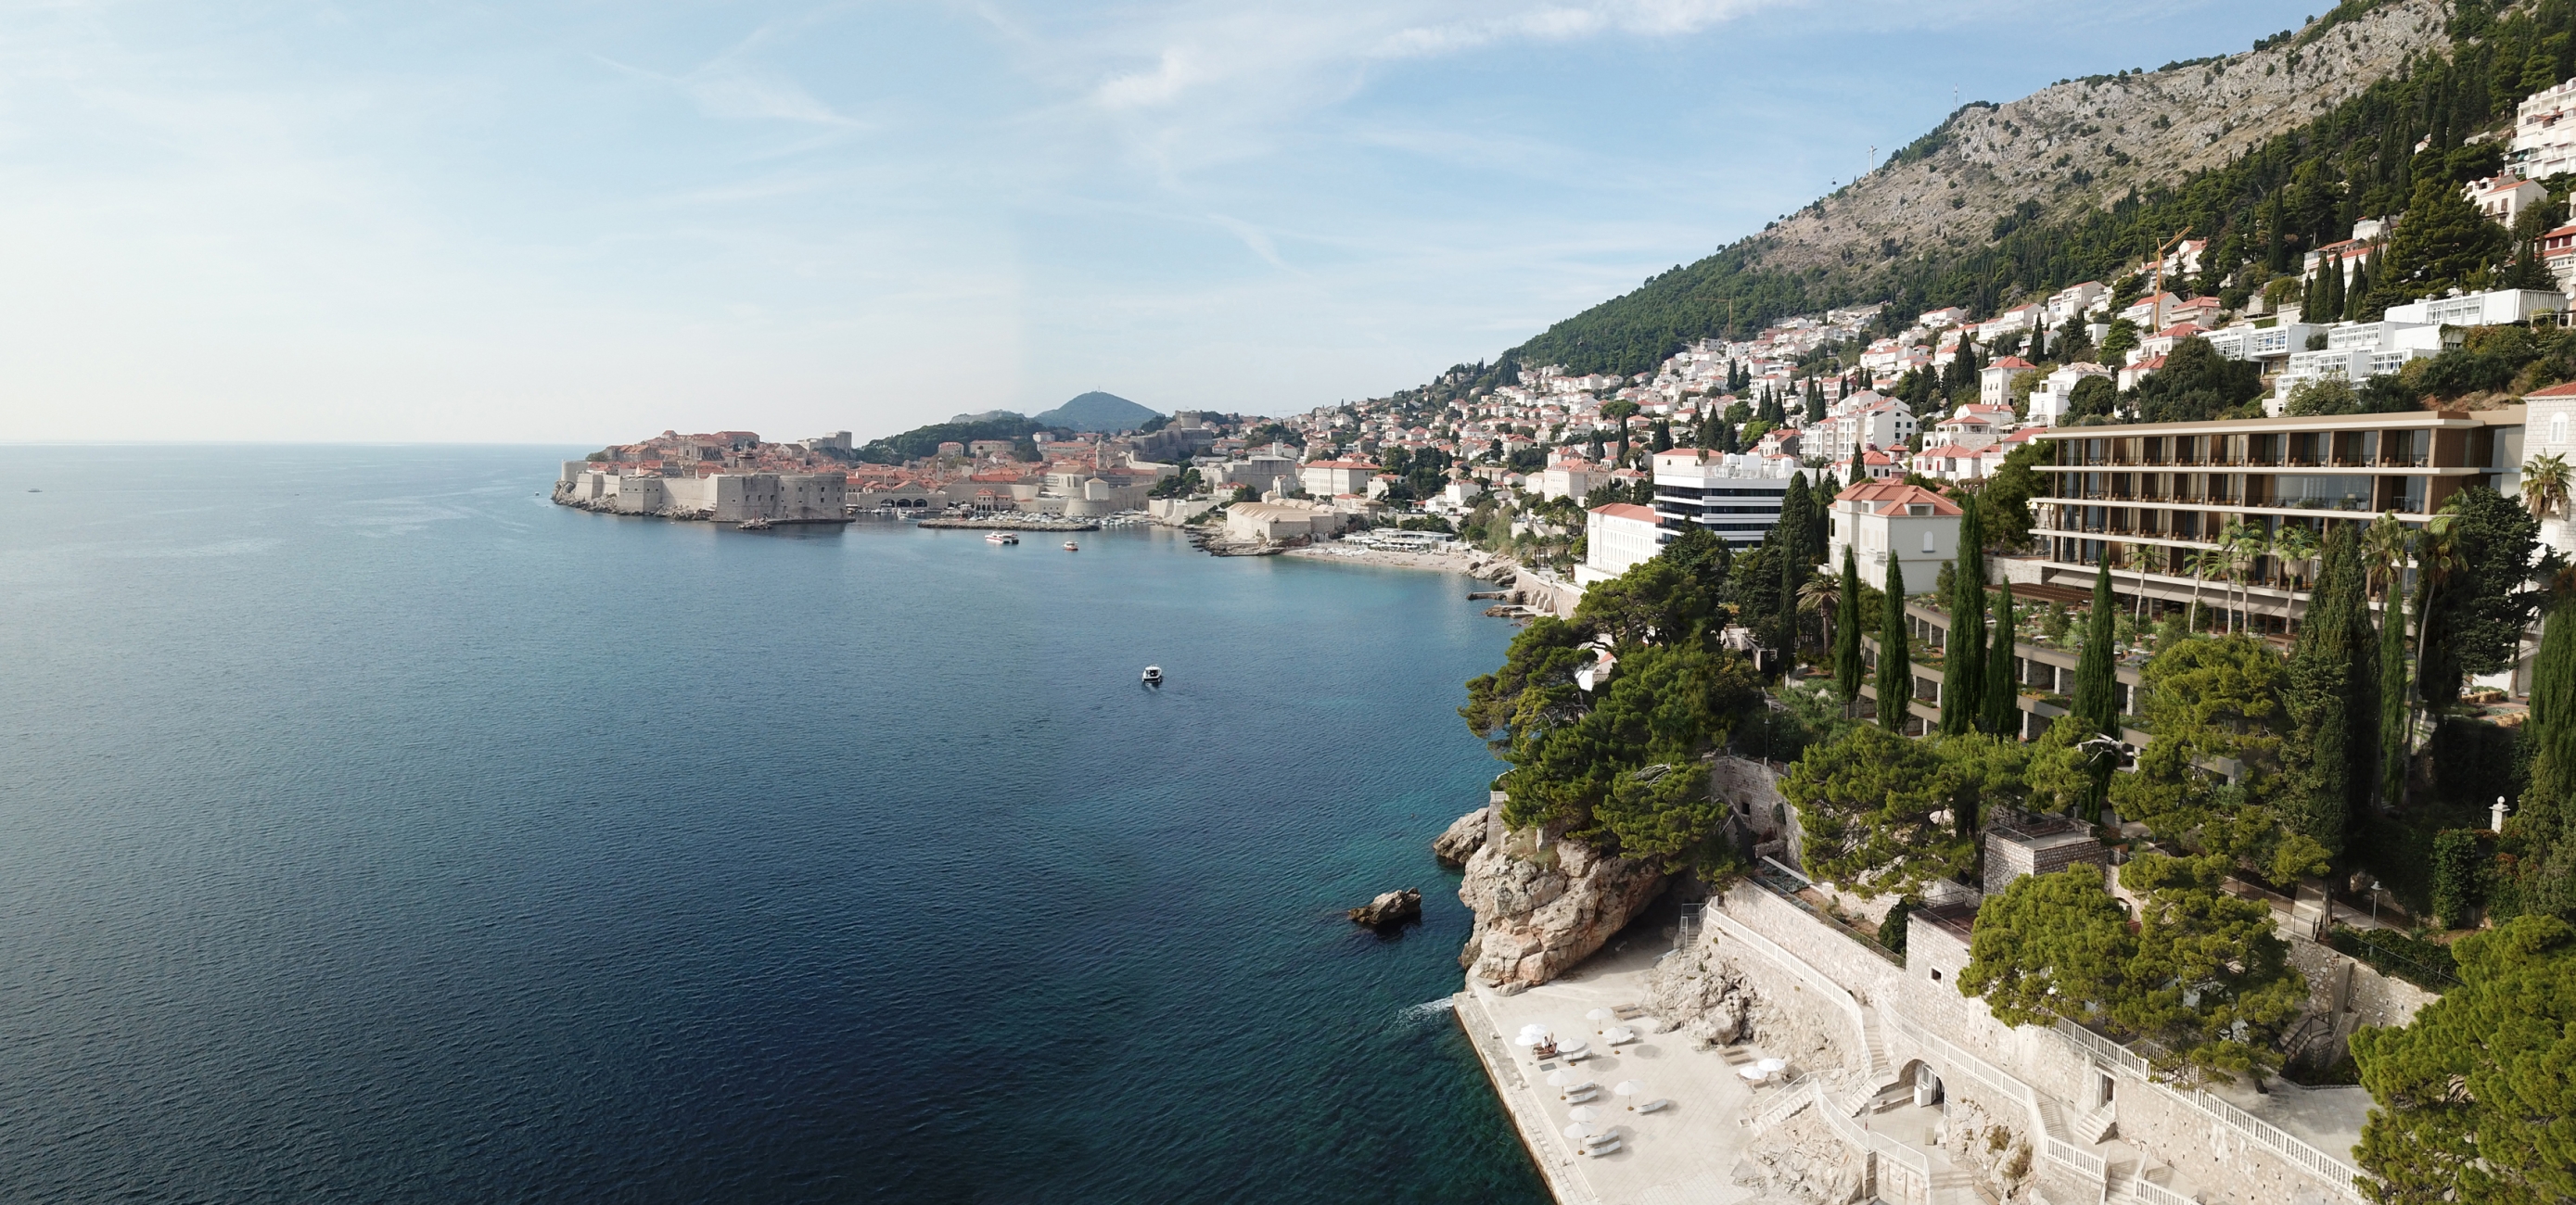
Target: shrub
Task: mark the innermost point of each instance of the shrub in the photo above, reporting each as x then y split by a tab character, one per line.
2455	877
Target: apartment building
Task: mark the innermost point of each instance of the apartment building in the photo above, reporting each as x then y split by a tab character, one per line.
1616	538
2148	495
1736	496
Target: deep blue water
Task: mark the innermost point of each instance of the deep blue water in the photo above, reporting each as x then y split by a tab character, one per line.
371	829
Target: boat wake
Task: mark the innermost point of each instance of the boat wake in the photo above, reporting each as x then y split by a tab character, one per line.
1428	1010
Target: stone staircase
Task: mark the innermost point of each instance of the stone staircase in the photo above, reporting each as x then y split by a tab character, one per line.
2094	1128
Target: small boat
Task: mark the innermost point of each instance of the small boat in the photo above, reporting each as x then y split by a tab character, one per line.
752	525
1000	537
1153	675
1070	546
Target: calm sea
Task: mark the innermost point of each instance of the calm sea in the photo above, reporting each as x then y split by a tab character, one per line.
371	829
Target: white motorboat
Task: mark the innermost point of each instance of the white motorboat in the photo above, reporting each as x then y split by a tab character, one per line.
1000	537
1153	675
1070	546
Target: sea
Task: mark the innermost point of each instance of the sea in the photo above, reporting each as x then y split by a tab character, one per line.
372	829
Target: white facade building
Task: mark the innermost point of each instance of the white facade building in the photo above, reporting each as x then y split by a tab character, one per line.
1616	538
1883	520
1736	496
2048	399
2544	133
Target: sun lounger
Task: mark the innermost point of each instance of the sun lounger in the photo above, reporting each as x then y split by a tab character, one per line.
1603	1149
1656	1105
1600	1140
1582	1096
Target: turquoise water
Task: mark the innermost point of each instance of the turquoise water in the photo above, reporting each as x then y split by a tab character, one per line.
371	829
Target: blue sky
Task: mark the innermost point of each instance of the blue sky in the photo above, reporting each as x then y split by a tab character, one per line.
586	222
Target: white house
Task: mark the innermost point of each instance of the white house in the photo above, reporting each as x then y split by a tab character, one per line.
1936	319
2048	399
2544	133
1994	381
1569	479
1883	520
1615	538
2074	300
2502	198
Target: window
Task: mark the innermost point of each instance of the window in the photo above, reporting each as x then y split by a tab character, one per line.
2558	428
1927	542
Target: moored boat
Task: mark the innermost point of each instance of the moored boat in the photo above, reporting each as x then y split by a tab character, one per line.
1000	537
1153	675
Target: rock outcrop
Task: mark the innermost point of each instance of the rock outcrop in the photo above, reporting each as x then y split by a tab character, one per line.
1802	1160
1390	909
1708	993
1463	838
1539	914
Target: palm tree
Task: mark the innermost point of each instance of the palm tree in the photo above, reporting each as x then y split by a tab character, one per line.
2202	564
2251	544
1819	596
2545	485
2295	544
2384	549
2437	557
2233	541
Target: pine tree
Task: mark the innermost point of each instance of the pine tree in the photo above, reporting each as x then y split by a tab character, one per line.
1963	666
2002	711
1895	662
2394	715
1847	630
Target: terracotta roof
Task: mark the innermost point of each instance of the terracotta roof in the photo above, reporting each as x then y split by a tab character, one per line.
2566	390
1625	510
2012	362
1898	493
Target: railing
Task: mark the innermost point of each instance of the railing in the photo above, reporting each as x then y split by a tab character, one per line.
2156	1194
2104	1050
1795	966
2315	1161
1797	1095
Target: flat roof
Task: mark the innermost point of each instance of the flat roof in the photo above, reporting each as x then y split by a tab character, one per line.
2501	416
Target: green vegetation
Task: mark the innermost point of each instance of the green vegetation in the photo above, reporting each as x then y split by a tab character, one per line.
2475	1103
924	441
2203	979
2296	191
1895	664
1619	764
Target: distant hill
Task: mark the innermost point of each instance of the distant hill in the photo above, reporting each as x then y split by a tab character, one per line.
924	441
2284	144
989	416
1097	411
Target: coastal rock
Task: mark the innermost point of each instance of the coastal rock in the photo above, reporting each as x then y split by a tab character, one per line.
1801	1159
1537	916
1998	1154
1390	909
1706	992
1463	838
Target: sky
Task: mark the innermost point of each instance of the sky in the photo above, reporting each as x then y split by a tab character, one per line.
586	222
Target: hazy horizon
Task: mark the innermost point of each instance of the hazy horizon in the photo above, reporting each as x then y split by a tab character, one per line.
244	222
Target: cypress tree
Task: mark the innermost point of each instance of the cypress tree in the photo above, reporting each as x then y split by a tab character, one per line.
1895	662
2539	824
2097	701
2333	691
2097	696
2274	254
1797	556
2002	714
2334	287
1847	630
2393	711
1963	673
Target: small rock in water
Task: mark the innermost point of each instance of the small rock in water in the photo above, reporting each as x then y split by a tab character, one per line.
1392	908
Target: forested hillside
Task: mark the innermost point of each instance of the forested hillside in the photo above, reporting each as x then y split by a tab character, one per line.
2006	203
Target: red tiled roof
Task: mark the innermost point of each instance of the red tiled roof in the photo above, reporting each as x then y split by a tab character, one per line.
2566	390
2012	362
1897	492
1625	510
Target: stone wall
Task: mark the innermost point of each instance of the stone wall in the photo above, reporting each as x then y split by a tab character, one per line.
2224	1166
2353	992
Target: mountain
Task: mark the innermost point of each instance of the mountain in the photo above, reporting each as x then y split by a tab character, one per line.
1097	411
990	416
2004	203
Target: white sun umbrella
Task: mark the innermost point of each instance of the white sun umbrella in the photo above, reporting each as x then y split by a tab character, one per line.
1559	1079
1628	1087
1601	1016
1578	1131
1529	1039
1773	1066
1584	1113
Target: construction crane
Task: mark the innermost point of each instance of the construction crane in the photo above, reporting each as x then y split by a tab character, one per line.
2161	252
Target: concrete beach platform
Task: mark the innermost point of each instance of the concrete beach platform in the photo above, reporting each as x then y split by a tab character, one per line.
1683	1152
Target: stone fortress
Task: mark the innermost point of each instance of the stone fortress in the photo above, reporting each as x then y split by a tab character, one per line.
721	497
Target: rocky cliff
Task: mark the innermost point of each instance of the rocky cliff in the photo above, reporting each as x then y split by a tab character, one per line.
1539	911
1709	993
2119	132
